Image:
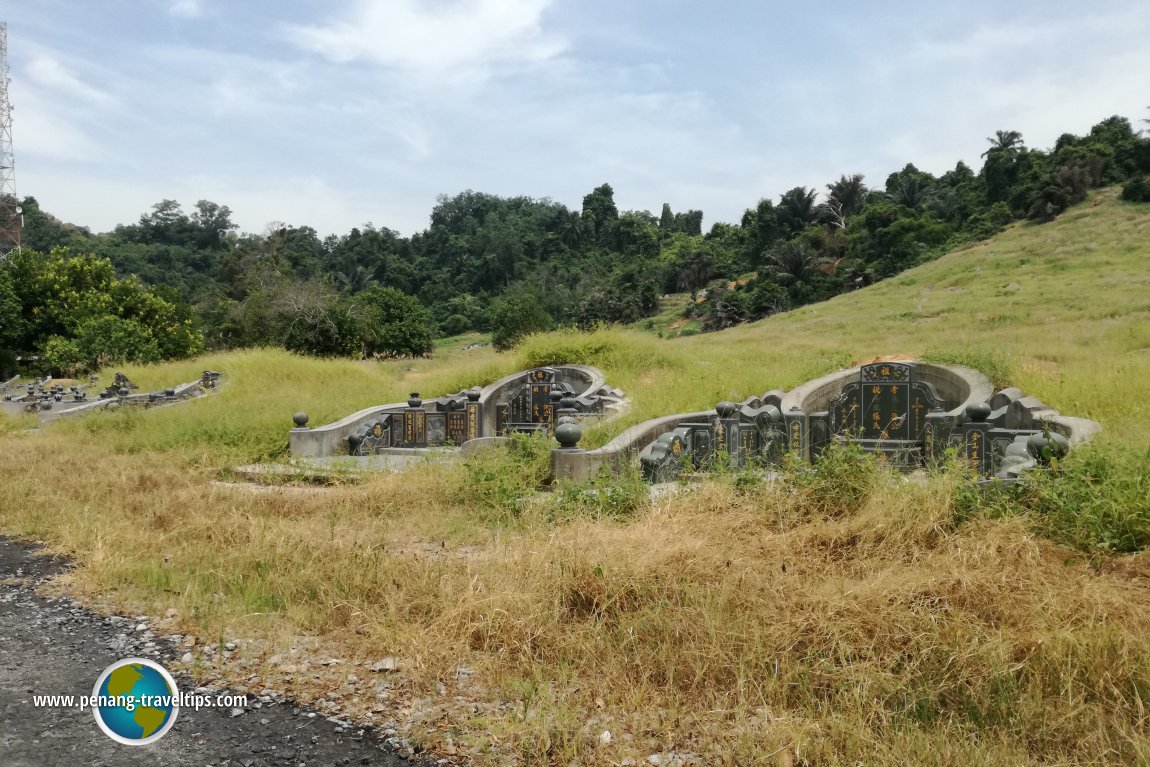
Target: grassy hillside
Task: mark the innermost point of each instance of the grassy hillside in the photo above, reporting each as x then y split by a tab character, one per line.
841	617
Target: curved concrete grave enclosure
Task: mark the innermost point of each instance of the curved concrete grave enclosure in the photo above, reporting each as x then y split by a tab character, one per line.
528	401
51	400
910	412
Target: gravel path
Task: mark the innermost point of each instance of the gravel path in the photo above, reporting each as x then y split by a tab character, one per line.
55	647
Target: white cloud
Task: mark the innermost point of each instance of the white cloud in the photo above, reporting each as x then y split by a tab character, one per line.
47	72
357	113
51	112
186	9
453	41
39	133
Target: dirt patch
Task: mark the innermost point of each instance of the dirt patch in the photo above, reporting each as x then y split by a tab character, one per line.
256	487
431	550
884	358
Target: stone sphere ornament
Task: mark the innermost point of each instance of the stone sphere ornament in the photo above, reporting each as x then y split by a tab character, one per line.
978	411
726	409
1047	446
300	420
568	435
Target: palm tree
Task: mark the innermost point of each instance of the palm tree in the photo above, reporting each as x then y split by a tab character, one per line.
798	207
845	198
910	192
571	229
793	261
1004	140
355	280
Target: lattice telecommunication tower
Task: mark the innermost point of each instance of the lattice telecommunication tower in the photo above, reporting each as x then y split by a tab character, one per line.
11	216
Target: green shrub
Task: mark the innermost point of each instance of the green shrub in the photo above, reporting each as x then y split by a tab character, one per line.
1096	501
513	319
607	496
835	486
1136	190
500	481
611	349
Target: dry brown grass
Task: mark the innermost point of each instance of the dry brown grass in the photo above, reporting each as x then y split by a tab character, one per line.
835	624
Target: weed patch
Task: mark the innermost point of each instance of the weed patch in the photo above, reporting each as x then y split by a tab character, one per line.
1096	500
993	364
501	481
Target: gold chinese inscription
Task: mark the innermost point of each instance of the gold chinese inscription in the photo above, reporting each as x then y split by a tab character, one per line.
975	446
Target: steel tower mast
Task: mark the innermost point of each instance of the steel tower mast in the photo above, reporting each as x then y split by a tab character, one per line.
11	216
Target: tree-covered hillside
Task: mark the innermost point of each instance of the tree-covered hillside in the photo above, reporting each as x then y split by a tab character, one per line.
513	265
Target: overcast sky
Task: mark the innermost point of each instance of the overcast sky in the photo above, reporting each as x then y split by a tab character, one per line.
336	113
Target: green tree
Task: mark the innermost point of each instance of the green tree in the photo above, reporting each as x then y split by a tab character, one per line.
78	298
689	222
304	316
211	222
793	261
1004	141
726	308
461	313
845	198
42	232
61	291
63	357
11	325
797	208
355	280
516	317
11	319
762	229
599	211
688	263
571	230
110	340
1136	190
910	187
387	322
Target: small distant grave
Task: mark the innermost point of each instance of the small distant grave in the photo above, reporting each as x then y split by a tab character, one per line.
52	399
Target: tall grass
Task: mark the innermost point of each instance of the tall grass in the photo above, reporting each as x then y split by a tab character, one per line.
248	418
